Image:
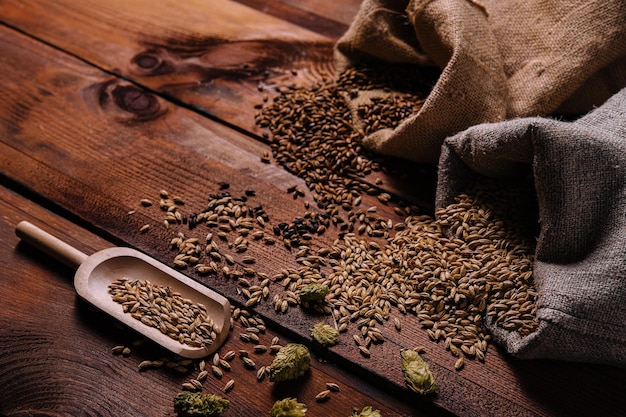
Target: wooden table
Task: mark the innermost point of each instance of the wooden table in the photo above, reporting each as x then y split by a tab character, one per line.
105	103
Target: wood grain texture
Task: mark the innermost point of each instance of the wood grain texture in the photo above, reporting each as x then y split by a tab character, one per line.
328	18
210	57
92	144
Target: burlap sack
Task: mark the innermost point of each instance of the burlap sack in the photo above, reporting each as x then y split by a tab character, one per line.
499	59
579	173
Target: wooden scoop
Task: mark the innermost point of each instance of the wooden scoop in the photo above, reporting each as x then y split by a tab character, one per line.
96	272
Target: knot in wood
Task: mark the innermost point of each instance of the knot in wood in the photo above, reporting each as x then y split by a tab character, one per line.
136	101
146	60
152	62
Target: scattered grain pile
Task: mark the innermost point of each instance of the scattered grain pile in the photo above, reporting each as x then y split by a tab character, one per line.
471	262
313	135
451	272
232	223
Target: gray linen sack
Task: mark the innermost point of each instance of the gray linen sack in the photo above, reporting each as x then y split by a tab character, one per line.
579	171
503	63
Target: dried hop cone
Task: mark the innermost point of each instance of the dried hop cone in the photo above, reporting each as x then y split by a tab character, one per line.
291	362
288	407
313	293
197	404
325	334
417	373
365	412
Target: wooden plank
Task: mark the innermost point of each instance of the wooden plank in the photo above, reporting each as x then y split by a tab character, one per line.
328	18
211	56
343	12
95	145
57	359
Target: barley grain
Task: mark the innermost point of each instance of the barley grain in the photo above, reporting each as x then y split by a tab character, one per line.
331	386
229	385
459	364
322	396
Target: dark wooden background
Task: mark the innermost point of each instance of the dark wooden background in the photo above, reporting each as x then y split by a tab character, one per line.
105	103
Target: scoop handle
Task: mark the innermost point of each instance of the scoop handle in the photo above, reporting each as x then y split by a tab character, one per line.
53	246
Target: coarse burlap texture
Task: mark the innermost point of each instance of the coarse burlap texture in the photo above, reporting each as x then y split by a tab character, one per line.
500	59
579	171
505	65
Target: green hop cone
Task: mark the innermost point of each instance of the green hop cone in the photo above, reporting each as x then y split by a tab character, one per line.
291	362
313	293
325	334
365	412
417	373
197	404
288	407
